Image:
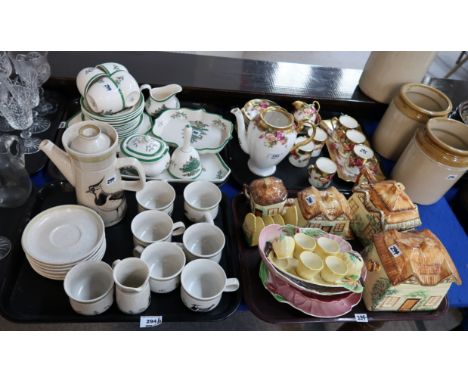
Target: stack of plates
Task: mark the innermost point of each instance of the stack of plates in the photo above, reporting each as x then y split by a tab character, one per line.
61	237
125	122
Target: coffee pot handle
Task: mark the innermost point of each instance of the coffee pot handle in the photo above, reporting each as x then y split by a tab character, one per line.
135	185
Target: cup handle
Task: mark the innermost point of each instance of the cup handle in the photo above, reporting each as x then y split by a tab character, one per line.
135	185
144	87
208	218
138	250
232	285
178	228
115	263
310	168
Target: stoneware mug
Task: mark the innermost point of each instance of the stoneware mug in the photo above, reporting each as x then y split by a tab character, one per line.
152	226
165	262
132	290
203	283
322	172
204	241
201	197
156	195
90	287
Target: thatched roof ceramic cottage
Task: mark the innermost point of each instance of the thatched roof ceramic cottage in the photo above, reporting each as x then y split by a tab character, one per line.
381	206
328	210
407	271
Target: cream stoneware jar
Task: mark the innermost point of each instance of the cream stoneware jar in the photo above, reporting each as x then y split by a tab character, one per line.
434	160
385	72
410	110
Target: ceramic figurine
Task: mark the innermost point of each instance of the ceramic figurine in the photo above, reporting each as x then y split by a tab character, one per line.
185	160
90	164
268	138
153	153
307	112
407	271
161	98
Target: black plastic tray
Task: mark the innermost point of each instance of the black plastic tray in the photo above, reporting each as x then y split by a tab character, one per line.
26	296
265	307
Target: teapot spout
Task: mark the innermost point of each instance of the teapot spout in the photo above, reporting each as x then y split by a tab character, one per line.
241	131
60	158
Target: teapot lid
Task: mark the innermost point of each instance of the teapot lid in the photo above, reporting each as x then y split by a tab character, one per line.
90	140
144	147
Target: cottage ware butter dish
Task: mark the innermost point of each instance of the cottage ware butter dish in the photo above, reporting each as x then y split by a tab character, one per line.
328	210
152	153
407	271
267	196
379	207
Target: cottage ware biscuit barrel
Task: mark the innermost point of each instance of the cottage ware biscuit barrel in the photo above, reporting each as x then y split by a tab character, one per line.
410	109
385	72
435	159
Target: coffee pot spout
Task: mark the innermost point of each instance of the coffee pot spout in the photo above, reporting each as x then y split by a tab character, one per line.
60	158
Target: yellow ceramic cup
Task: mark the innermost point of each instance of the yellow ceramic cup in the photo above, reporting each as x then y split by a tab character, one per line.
335	269
303	243
309	265
327	247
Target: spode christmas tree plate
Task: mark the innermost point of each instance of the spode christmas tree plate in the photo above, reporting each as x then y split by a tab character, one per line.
210	132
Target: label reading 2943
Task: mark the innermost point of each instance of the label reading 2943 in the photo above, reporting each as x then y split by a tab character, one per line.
150	321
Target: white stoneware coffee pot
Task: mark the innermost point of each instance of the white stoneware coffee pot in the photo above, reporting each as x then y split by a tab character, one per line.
268	138
91	165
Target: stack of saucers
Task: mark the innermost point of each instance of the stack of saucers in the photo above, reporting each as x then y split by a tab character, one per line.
61	237
125	122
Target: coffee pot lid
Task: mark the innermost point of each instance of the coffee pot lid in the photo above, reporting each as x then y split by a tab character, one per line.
90	140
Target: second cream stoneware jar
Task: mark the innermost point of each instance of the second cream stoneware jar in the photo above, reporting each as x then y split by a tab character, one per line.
410	110
385	72
434	160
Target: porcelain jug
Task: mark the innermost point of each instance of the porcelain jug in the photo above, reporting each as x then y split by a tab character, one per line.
268	138
15	184
161	98
91	165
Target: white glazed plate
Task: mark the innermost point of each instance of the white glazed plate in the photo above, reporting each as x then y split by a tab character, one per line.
142	128
210	132
63	234
60	275
213	170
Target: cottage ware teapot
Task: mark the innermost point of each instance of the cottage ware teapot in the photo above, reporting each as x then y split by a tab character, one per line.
90	164
15	185
268	138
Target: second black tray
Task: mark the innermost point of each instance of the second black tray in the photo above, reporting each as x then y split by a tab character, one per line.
26	296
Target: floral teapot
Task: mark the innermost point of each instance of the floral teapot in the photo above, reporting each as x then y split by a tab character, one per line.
268	138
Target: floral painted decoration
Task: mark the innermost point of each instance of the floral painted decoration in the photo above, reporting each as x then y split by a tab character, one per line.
272	138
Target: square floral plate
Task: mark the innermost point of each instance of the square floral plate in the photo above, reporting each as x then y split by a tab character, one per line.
210	132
